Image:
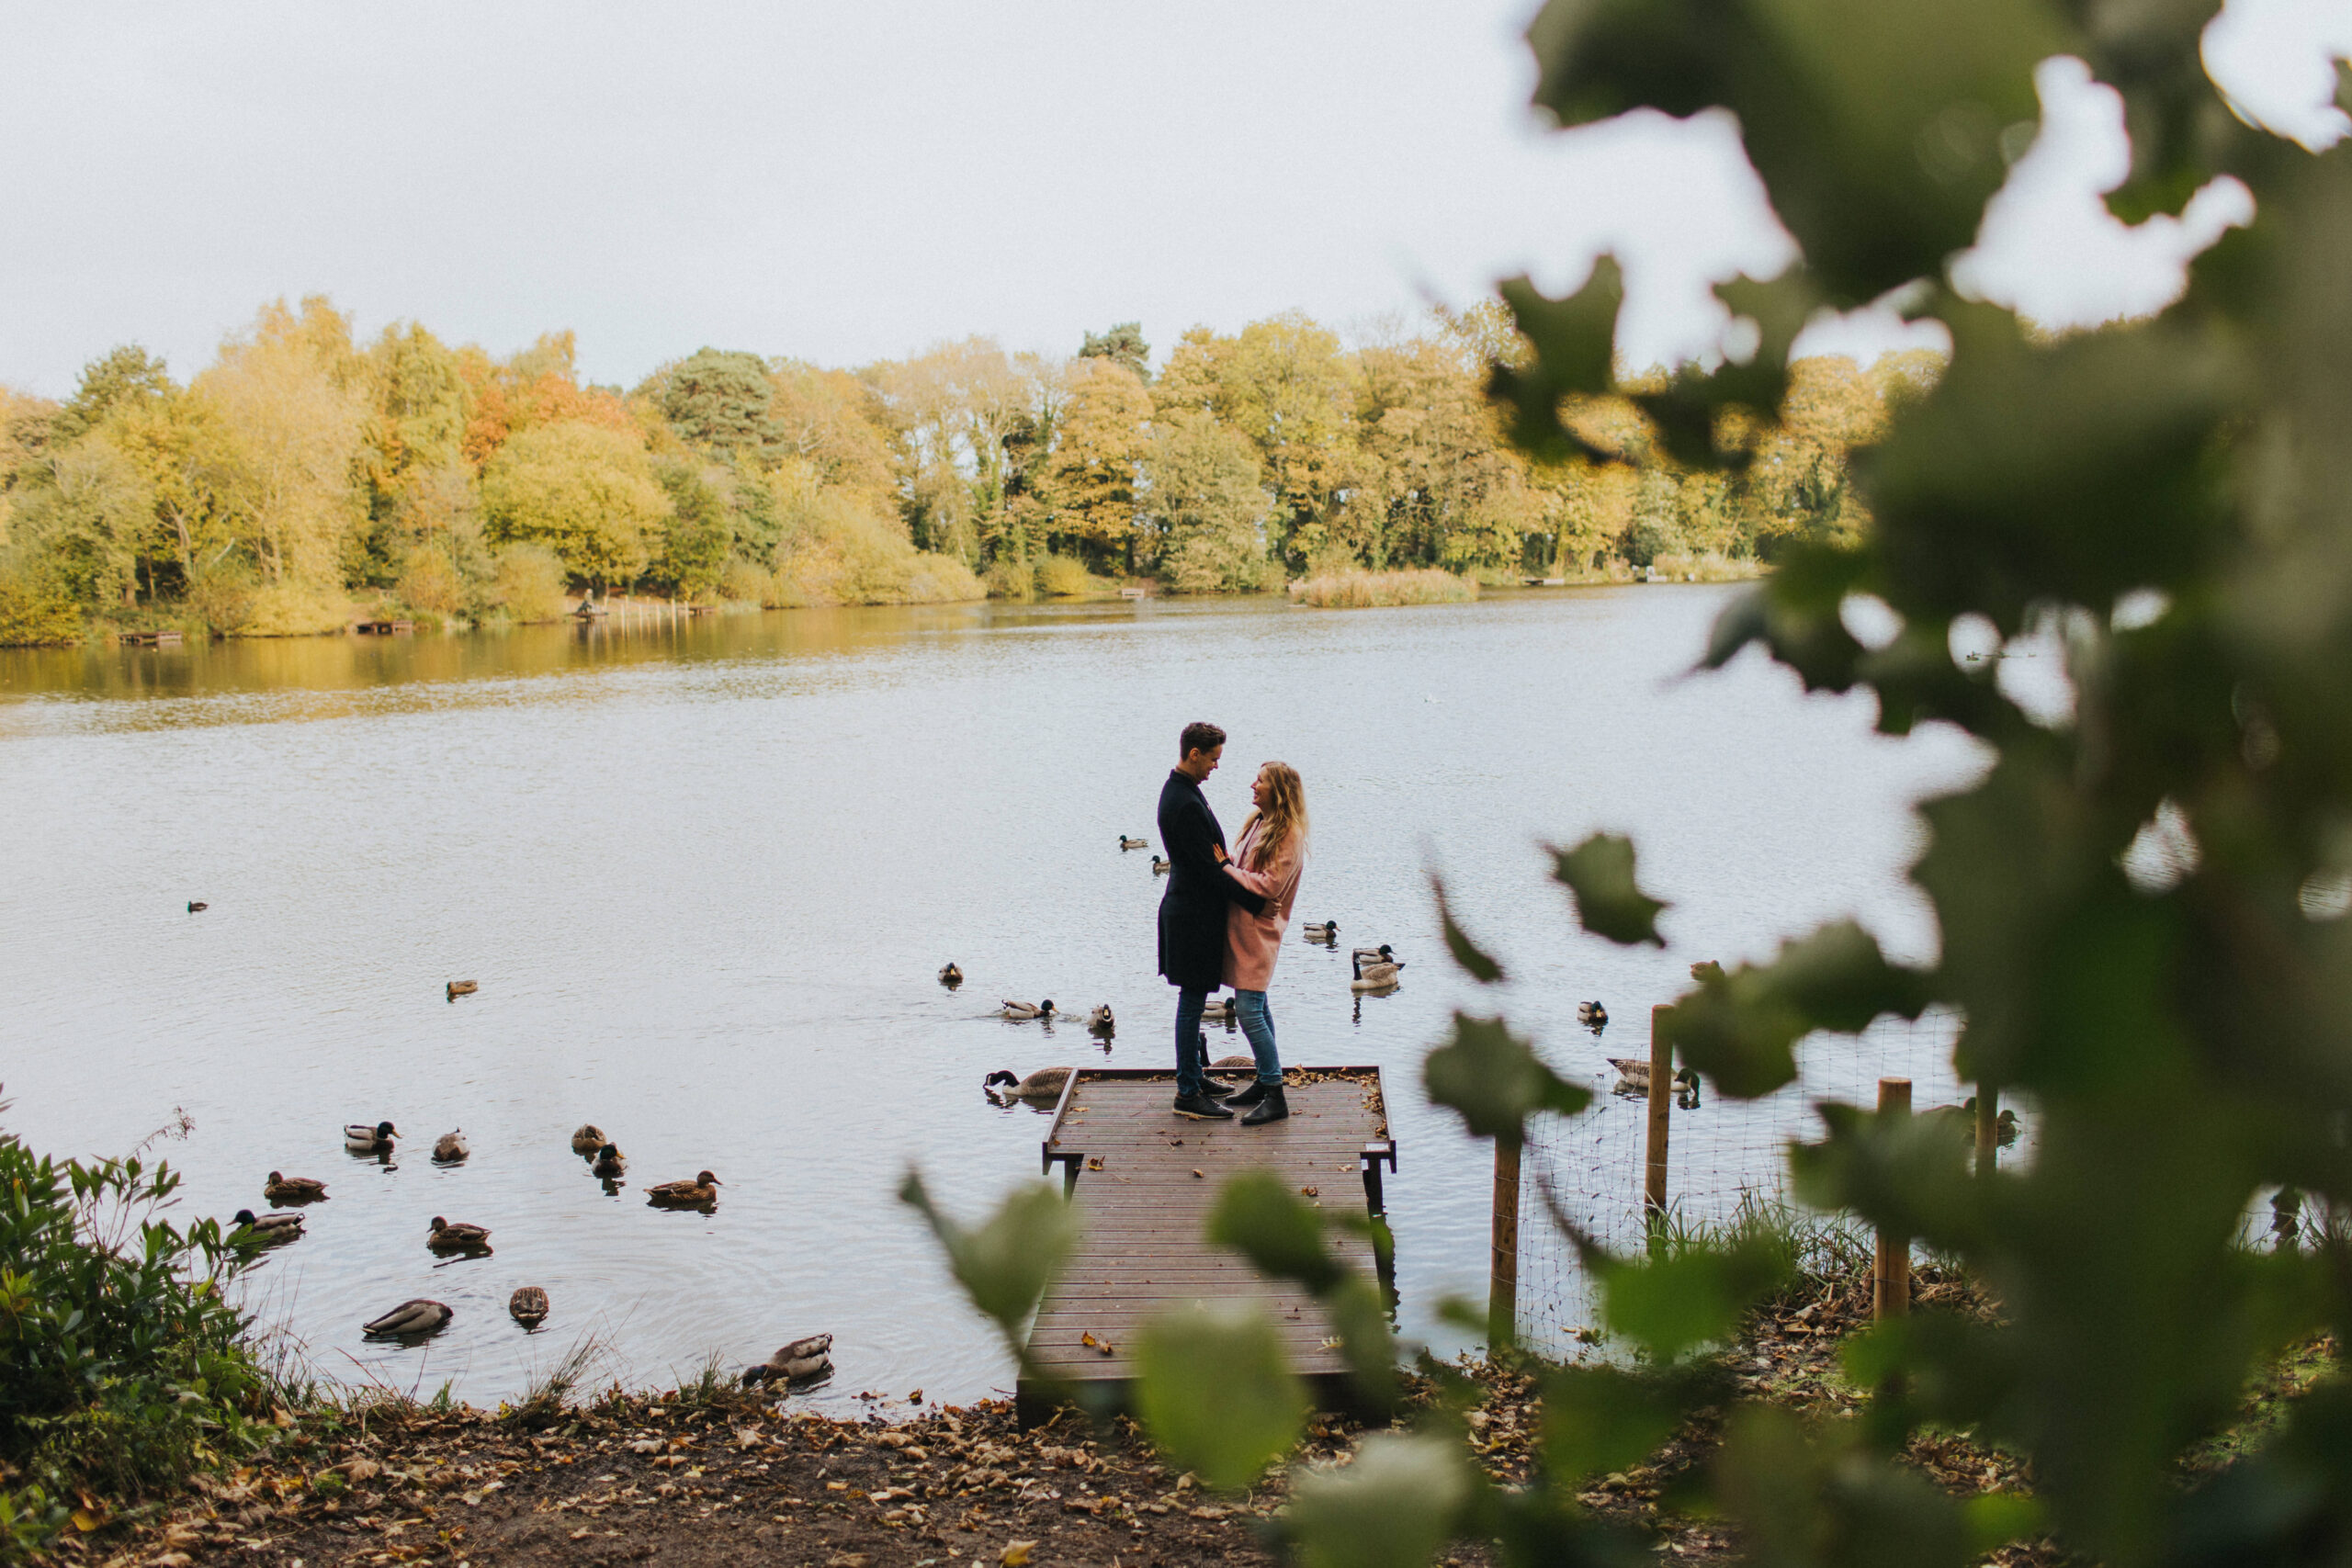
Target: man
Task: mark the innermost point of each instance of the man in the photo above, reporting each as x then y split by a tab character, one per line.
1192	912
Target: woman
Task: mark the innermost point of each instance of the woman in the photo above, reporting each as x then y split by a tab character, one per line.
1267	859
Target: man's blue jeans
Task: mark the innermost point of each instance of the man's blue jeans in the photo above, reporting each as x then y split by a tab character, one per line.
1258	1025
1191	1056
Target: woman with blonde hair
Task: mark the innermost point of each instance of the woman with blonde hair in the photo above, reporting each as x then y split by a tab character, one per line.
1267	859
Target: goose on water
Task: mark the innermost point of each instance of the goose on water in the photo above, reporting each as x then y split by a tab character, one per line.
450	1148
270	1230
528	1305
699	1194
283	1188
1128	843
447	1238
1046	1083
1024	1010
796	1362
950	977
609	1164
1374	976
588	1139
362	1139
415	1316
1322	931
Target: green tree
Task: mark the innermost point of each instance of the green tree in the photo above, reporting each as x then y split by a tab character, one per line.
1122	344
698	536
127	376
585	491
1209	504
716	400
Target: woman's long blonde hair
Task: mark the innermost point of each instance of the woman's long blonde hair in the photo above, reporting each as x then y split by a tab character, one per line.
1285	816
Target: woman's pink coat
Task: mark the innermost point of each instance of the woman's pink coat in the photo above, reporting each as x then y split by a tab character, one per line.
1252	943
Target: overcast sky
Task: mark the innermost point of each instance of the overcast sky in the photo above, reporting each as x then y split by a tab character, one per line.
849	182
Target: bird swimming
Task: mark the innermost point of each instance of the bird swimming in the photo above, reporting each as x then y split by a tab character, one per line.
1376	976
270	1230
588	1139
1024	1010
1100	1019
1633	1079
414	1316
1322	931
1217	1009
1046	1083
950	977
447	1238
1383	953
701	1192
198	906
1159	866
282	1189
362	1139
450	1148
1593	1016
796	1362
528	1305
1128	843
609	1164
463	989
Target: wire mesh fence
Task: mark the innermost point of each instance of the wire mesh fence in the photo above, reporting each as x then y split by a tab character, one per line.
1720	1154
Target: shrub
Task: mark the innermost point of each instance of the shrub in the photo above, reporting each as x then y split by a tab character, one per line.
35	612
429	582
291	609
1364	589
1061	576
528	583
1011	579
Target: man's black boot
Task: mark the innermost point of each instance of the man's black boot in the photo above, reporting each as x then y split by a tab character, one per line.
1249	1096
1272	1108
1201	1107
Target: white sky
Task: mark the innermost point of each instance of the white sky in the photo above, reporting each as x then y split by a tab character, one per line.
854	181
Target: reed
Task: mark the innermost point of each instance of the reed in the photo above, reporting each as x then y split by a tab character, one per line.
1370	590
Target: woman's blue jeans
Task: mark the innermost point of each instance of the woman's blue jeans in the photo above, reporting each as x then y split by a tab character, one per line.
1258	1027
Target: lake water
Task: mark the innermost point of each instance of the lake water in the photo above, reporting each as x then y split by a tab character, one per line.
706	876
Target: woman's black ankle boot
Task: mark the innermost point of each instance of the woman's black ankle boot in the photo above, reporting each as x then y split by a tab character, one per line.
1271	1107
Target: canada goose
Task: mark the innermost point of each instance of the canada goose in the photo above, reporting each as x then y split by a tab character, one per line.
1217	1009
450	1148
270	1230
1322	931
609	1164
1029	1009
1234	1064
1128	843
1593	1016
1374	976
282	1189
950	977
1962	1119
447	1238
1363	958
416	1316
588	1139
463	989
1159	866
362	1139
1100	1019
796	1362
198	906
1046	1083
1634	1078
528	1305
699	1194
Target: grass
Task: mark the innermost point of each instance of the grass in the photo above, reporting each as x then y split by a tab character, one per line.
1369	589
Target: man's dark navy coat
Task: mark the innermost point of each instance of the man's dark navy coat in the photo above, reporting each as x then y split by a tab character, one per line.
1192	912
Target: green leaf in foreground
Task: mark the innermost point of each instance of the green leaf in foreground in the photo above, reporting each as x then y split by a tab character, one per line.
1600	873
1690	1298
1496	1080
1469	953
1392	1508
1260	1217
1740	1028
1005	1263
1216	1393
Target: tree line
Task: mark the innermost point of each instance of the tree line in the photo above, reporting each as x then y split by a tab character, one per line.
304	470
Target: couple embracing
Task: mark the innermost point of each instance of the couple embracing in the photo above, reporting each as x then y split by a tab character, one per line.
1222	919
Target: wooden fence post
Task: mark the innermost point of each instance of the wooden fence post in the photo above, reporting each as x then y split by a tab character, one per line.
1891	1267
1661	1108
1502	1280
1988	1128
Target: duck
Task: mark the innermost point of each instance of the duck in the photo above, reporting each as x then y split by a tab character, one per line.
447	1238
1100	1019
197	906
1962	1121
463	989
608	1163
796	1362
284	1189
1593	1016
1634	1078
699	1194
589	1139
1362	957
1161	867
270	1230
950	977
1128	843
528	1305
450	1148
1322	931
362	1139
412	1317
1217	1009
1024	1010
1046	1083
1376	976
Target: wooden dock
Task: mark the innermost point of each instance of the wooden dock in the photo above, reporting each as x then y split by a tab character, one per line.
1146	1179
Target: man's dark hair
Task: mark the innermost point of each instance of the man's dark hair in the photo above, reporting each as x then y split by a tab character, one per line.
1199	736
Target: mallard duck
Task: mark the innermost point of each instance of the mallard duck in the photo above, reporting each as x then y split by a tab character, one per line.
198	906
1593	1016
950	977
1362	957
463	989
1375	977
447	1238
1161	867
589	1139
1029	1009
1962	1121
528	1305
282	1188
1100	1019
1217	1009
450	1148
1046	1083
1634	1078
796	1362
1128	843
701	1192
1322	931
608	1163
270	1230
362	1139
412	1317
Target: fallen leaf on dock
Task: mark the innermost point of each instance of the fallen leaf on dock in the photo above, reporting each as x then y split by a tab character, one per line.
1103	1344
1196	1173
1312	1191
1095	1162
1017	1553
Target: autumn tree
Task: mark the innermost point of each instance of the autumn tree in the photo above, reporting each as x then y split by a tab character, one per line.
585	490
1097	462
1207	505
